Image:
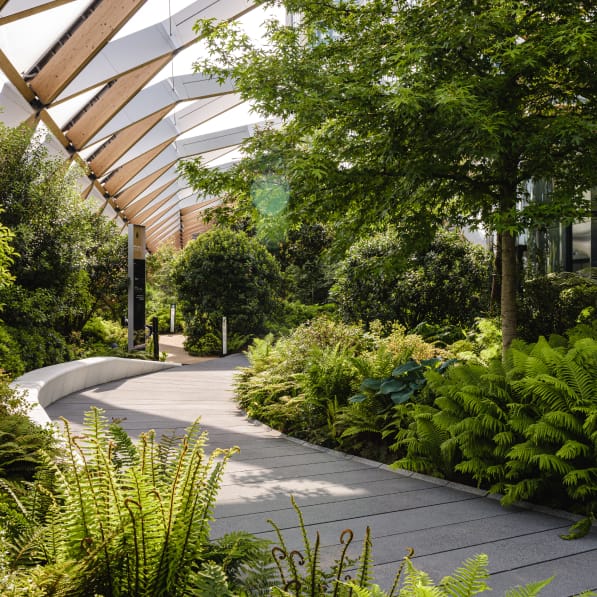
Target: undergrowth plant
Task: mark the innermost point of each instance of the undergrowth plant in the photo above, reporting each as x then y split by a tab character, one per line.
302	573
21	439
124	519
525	428
301	384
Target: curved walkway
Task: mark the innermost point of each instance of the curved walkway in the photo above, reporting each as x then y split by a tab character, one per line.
444	523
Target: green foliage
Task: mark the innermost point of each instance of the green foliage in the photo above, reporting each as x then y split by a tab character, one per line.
225	273
20	438
124	519
162	312
6	255
365	279
303	259
161	291
483	342
524	428
446	282
69	260
315	581
405	381
40	346
301	383
420	113
104	331
11	362
292	382
554	303
288	315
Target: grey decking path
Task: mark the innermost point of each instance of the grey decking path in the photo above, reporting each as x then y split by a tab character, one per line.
442	523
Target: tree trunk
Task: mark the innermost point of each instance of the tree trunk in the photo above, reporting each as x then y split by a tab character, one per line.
496	278
508	293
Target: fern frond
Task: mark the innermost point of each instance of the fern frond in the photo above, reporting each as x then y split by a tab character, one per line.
371	591
573	449
529	590
467	579
417	582
365	566
210	581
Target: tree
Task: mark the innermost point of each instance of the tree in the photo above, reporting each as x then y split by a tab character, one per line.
445	282
421	112
303	259
225	273
67	262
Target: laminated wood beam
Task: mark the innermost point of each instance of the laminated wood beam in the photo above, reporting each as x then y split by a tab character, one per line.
122	141
132	192
81	45
127	172
153	215
135	207
110	101
30	9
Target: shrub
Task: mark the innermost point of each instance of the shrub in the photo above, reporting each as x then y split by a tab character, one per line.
554	303
126	519
40	347
225	273
365	279
11	362
481	344
301	384
446	283
104	331
20	438
303	258
524	428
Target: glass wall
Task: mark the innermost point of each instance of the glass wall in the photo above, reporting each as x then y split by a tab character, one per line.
561	248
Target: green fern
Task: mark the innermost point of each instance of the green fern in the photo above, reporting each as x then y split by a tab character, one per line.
469	578
211	581
531	589
134	526
301	574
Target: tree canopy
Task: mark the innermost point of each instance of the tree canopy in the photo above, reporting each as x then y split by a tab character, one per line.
421	113
66	260
225	273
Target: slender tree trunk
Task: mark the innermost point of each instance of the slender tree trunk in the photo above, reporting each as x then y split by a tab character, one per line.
496	279
508	294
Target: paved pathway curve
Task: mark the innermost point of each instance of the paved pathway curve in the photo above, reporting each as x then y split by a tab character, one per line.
443	523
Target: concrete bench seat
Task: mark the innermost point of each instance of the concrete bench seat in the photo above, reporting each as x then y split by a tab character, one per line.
42	387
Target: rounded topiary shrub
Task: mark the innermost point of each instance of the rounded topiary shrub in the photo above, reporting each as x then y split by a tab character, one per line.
365	279
225	273
445	283
554	303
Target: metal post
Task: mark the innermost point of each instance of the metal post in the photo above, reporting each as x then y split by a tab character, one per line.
156	339
172	318
224	336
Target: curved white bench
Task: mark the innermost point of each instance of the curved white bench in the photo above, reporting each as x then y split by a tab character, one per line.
42	387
